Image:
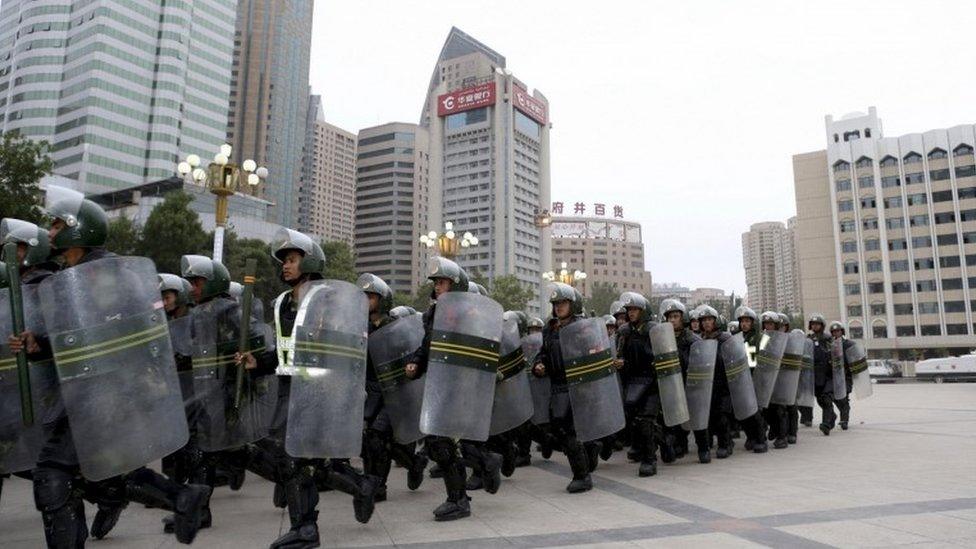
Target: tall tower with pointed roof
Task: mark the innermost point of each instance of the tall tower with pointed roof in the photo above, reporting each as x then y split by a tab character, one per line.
489	161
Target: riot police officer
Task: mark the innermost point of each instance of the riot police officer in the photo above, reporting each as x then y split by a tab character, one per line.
839	333
635	360
823	372
775	415
379	447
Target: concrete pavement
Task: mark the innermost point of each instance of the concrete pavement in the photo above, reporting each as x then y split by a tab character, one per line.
904	474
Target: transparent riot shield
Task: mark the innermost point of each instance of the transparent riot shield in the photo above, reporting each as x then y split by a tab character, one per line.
461	367
114	360
594	391
667	367
857	360
328	388
512	404
698	385
805	386
772	344
784	391
741	390
541	387
837	369
389	349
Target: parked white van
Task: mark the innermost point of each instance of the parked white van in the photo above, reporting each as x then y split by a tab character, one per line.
954	368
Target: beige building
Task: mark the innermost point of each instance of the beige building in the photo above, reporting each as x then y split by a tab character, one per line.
609	251
706	295
489	161
769	260
887	235
327	205
269	95
392	193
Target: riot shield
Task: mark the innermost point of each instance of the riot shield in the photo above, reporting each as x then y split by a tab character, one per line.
19	445
541	387
784	391
741	390
857	360
111	346
698	385
328	388
772	344
837	369
181	337
805	386
219	426
462	367
667	366
594	391
512	404
389	349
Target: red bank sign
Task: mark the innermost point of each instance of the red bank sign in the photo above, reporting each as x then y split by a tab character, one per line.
475	97
529	106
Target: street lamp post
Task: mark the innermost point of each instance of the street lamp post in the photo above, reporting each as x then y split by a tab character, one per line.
223	178
564	275
543	219
449	243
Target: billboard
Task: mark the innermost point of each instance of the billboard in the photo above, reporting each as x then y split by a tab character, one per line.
529	106
474	97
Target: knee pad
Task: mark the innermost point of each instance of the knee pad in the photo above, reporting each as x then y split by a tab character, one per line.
442	450
54	489
375	442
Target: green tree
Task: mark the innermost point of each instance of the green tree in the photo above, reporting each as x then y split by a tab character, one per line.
340	262
123	237
509	292
602	295
420	300
237	251
22	165
171	231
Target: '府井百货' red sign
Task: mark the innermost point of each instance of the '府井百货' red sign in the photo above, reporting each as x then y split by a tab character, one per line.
475	97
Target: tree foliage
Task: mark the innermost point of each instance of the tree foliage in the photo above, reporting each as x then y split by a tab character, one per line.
123	237
171	231
510	293
602	295
22	165
340	262
237	251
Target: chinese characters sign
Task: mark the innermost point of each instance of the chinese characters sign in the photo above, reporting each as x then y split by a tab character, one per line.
464	100
579	208
529	106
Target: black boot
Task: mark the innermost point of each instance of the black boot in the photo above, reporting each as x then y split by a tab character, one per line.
303	497
780	443
606	452
645	445
474	482
458	504
760	448
491	470
704	456
361	487
279	496
304	537
105	519
791	439
415	475
593	454
579	463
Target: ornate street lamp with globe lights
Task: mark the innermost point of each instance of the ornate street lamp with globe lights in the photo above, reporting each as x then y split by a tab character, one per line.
564	275
449	244
223	178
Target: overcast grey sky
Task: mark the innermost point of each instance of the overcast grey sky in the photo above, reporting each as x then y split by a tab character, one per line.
686	113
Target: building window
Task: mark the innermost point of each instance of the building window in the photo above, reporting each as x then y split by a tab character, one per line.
841	165
875	287
843	185
888	161
847	226
899	265
865	182
462	119
872	244
897	244
928	308
915	177
852	135
849	246
966	192
919	220
845	206
939	175
901	287
945	217
905	331
857	332
879	331
892	202
962	150
903	309
952	283
878	309
870	223
937	154
852	289
850	267
924	263
863	162
925	286
956	329
868	202
890	181
955	306
853	310
917	199
942	196
526	125
948	262
895	222
875	266
968	170
947	239
912	158
931	330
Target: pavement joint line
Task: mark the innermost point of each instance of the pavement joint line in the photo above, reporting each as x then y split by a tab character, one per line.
866	512
911	432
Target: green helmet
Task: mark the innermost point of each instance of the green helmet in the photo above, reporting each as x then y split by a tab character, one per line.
372	284
769	316
837	325
578	308
313	258
617	308
743	311
172	283
632	299
670	305
476	288
402	311
441	267
784	320
29	234
214	272
694	314
85	223
610	320
734	327
706	311
535	322
565	292
520	318
816	317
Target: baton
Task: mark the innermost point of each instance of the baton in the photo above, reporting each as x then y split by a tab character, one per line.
17	314
250	268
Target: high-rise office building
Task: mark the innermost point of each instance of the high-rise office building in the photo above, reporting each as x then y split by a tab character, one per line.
327	197
887	234
392	191
121	90
269	95
489	162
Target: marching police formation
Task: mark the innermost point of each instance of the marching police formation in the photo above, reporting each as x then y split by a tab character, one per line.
107	366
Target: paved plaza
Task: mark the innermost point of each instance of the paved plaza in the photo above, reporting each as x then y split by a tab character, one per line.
903	475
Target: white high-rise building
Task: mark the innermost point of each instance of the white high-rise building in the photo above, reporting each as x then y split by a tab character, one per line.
489	160
121	90
770	262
